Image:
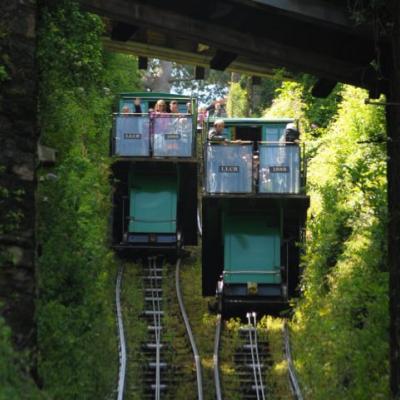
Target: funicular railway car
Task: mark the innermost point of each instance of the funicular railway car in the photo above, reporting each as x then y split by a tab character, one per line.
154	172
254	210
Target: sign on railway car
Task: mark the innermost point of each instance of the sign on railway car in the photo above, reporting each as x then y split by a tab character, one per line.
279	169
172	136
229	168
136	136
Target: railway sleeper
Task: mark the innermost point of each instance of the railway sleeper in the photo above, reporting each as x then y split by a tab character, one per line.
152	346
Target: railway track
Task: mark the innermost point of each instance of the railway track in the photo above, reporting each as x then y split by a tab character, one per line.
159	374
250	360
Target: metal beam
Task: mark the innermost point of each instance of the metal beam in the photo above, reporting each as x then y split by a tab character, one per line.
233	41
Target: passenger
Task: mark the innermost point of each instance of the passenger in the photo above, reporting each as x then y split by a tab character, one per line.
201	116
219	110
189	107
160	107
292	134
173	107
137	106
125	110
216	133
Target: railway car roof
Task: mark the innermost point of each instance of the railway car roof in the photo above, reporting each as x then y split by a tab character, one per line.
252	121
155	95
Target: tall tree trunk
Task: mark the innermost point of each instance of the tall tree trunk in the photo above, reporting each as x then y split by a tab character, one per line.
393	125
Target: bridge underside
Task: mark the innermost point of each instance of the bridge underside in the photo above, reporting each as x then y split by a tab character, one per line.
254	37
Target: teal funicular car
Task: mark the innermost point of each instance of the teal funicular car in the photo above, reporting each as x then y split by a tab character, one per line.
254	209
155	172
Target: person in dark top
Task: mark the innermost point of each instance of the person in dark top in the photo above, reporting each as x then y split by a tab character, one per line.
137	106
216	133
292	134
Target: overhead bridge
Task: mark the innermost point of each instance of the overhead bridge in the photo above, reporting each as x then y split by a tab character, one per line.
254	37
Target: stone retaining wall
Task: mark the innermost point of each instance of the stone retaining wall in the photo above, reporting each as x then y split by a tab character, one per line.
18	161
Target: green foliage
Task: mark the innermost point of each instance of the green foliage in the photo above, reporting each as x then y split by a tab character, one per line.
11	215
293	99
15	382
69	41
76	325
3	73
340	325
237	105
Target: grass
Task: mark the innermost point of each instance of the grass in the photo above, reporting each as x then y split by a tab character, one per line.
277	375
135	329
202	322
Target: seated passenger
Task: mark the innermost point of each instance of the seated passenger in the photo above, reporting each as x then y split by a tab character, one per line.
189	107
173	107
292	134
125	110
160	107
137	106
216	133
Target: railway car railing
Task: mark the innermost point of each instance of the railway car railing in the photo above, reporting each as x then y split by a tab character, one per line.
237	168
279	168
172	136
131	135
229	167
153	135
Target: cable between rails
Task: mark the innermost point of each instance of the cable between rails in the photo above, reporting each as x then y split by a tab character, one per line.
190	334
121	335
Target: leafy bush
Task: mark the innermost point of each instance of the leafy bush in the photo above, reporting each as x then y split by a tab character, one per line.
237	105
341	322
15	381
76	327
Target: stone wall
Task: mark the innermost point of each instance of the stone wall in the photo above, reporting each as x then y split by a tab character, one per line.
18	144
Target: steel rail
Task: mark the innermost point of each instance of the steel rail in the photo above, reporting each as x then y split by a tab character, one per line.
258	356
199	225
122	343
189	332
217	339
292	372
157	325
255	375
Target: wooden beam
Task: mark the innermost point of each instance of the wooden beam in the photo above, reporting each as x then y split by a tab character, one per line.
241	65
143	63
323	88
222	59
122	31
199	72
324	12
233	41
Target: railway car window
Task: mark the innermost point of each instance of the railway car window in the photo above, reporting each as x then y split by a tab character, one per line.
132	135
172	136
249	133
279	170
229	168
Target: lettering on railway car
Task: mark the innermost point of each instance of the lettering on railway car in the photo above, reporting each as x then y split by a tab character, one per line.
172	136
279	169
229	168
134	136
